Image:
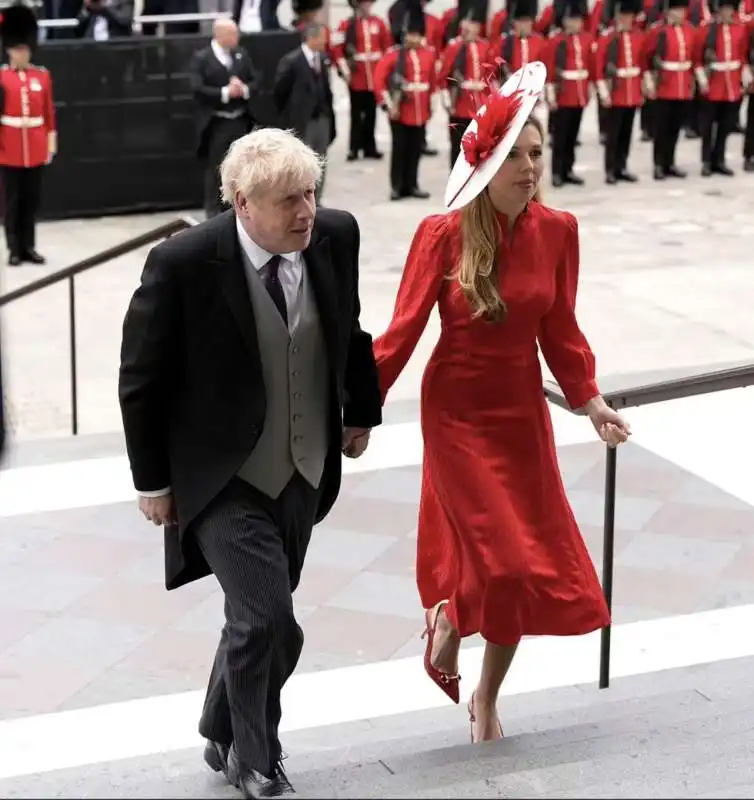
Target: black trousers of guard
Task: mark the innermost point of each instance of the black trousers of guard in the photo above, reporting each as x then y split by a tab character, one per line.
648	116
23	192
406	152
456	129
749	131
619	125
256	547
566	124
220	136
363	122
670	116
717	120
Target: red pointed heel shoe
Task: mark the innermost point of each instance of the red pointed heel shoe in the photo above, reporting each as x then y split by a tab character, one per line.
447	682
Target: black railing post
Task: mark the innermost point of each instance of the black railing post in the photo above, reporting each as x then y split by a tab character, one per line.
608	557
73	355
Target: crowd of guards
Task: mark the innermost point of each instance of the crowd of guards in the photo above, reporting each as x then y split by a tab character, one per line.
681	67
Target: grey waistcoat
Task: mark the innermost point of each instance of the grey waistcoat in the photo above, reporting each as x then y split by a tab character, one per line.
296	382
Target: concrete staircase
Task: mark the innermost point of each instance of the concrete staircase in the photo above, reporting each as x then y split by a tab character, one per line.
680	733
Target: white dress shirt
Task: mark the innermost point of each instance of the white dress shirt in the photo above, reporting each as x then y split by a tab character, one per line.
225	57
290	274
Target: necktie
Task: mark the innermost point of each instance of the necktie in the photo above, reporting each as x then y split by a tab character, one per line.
275	288
315	63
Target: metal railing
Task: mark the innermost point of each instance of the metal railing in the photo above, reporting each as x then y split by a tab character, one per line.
69	274
631	391
138	21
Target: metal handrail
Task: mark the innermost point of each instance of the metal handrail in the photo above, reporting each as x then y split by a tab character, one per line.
69	274
631	391
158	19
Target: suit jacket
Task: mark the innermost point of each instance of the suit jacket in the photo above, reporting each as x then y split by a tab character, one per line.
207	77
295	91
191	388
119	15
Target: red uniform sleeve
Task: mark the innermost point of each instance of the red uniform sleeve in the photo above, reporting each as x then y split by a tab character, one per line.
648	49
545	21
417	294
338	42
49	110
382	73
595	18
598	61
386	38
498	23
446	64
563	345
548	57
700	40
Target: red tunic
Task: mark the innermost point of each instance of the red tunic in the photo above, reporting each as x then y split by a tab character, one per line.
497	536
473	87
569	59
433	34
668	50
518	51
722	74
28	116
419	83
372	40
624	86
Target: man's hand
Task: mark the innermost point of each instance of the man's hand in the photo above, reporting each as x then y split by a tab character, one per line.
235	88
159	510
355	441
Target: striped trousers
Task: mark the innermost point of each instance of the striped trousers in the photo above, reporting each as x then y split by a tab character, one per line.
255	546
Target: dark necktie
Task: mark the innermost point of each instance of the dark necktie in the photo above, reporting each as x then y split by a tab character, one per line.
275	288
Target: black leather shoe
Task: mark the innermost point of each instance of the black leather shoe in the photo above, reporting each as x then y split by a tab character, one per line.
14	261
659	174
253	784
375	155
396	195
573	179
216	756
33	257
419	194
675	172
723	169
627	177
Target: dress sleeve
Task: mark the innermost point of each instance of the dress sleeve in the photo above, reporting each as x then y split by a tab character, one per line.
564	346
418	291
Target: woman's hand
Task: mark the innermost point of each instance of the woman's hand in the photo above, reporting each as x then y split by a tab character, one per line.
609	424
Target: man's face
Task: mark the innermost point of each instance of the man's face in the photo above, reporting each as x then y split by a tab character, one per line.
470	30
20	55
676	15
317	43
280	219
227	35
573	24
523	26
727	13
626	20
412	39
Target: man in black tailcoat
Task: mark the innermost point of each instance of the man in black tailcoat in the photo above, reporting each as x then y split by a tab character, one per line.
245	375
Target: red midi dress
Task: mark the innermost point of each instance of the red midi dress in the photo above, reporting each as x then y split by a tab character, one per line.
497	537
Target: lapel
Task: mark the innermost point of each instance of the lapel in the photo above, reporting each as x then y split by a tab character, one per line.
230	266
319	264
235	288
306	69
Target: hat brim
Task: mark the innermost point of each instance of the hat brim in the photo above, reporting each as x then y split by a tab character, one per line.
466	182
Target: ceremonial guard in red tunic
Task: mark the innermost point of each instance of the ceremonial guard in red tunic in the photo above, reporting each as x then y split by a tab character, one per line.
519	43
618	77
462	75
720	65
669	77
568	55
358	45
28	135
405	80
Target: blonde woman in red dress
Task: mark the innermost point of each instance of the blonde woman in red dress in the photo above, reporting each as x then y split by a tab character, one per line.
499	552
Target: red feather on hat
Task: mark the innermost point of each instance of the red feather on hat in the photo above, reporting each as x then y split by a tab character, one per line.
493	122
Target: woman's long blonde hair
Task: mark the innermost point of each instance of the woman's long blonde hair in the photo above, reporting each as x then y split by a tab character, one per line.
478	270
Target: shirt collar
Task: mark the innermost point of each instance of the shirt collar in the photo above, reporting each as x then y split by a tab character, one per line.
311	56
256	254
221	52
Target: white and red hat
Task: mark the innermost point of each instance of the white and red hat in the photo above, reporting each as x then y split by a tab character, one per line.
492	133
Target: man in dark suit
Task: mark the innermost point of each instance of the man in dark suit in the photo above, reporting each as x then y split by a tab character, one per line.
303	95
244	376
223	80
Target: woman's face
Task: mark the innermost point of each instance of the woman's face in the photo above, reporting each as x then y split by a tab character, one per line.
518	178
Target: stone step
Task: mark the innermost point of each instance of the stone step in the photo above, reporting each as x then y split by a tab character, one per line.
678	733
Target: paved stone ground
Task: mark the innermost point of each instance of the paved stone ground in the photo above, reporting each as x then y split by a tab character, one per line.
85	619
